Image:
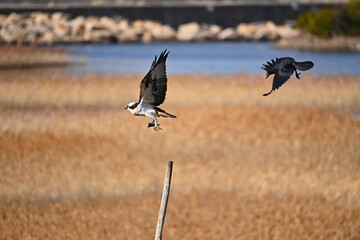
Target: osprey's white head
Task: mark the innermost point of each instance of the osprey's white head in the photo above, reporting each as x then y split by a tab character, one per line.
132	107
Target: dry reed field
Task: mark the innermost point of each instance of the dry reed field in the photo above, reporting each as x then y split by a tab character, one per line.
21	56
75	165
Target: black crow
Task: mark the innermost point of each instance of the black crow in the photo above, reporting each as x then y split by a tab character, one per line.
283	68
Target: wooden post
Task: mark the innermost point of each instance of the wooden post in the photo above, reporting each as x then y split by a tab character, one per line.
164	201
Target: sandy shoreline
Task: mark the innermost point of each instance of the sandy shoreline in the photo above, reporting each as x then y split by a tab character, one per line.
307	42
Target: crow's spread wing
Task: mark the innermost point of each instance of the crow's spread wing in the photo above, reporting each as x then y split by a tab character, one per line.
154	85
281	76
283	68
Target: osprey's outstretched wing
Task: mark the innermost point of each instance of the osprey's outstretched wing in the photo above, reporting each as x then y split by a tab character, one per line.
154	85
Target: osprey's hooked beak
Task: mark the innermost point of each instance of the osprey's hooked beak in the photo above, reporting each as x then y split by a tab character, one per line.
126	107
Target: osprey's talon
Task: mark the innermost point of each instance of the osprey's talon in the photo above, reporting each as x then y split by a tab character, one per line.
151	124
157	128
297	75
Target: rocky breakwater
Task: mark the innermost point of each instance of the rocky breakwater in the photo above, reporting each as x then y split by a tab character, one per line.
46	28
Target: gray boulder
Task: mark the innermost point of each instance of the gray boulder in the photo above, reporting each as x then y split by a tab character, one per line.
122	25
77	25
188	31
12	33
129	35
227	34
107	23
246	31
163	33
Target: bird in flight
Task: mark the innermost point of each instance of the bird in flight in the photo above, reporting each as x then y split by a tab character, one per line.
152	93
283	68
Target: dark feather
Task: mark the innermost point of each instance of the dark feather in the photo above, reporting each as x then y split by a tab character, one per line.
157	78
303	66
163	111
282	75
265	94
134	106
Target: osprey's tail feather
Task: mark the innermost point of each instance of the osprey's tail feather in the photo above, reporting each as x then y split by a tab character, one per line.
165	114
162	113
303	66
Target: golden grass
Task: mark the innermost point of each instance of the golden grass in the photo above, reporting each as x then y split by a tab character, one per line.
23	56
75	165
111	91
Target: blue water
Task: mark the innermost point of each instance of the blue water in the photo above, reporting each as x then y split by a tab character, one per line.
213	58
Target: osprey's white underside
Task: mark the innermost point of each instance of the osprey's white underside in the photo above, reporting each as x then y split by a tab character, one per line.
146	110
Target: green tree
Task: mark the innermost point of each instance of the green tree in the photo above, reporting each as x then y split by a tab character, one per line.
328	22
352	15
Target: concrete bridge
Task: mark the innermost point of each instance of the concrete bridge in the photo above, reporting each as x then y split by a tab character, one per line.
174	13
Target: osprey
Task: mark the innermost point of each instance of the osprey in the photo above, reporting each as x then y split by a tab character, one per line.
152	93
283	68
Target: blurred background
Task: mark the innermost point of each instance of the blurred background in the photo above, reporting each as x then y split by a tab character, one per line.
199	34
74	164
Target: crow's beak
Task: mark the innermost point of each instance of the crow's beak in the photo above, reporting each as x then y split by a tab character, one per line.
267	75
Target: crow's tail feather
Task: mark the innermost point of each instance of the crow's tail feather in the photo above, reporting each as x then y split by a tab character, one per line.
303	66
265	94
